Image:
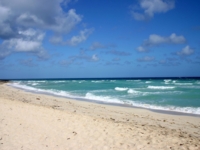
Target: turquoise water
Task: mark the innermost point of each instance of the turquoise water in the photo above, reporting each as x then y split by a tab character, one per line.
181	95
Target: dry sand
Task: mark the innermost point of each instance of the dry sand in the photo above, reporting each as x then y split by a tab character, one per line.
30	121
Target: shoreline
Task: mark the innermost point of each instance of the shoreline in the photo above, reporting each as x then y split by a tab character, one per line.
38	121
170	112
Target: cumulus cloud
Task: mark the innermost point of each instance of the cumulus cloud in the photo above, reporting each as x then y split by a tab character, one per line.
83	35
29	40
146	59
186	51
95	58
28	13
155	40
18	17
147	8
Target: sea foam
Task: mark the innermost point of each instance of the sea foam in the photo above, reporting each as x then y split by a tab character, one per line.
161	87
121	89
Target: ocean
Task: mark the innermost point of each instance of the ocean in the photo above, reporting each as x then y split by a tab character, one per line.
175	94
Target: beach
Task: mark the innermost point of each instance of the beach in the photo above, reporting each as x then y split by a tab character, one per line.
38	121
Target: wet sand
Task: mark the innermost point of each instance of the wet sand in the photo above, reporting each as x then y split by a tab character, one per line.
38	121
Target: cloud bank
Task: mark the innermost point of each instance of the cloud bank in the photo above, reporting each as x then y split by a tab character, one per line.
23	25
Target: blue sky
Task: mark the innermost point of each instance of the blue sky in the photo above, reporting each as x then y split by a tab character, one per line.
99	38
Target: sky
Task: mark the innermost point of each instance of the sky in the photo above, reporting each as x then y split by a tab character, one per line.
99	38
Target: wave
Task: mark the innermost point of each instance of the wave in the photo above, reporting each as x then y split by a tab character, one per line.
49	91
133	80
116	99
191	87
18	85
197	82
107	99
183	83
189	110
59	81
148	82
82	81
167	80
34	84
131	91
42	81
161	87
121	89
98	81
139	93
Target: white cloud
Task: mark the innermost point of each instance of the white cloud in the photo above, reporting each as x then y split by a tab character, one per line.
141	49
95	58
155	40
29	41
33	14
176	39
65	23
22	45
60	22
146	59
186	51
22	19
83	35
150	7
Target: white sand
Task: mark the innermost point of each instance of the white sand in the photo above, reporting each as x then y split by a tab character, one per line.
35	121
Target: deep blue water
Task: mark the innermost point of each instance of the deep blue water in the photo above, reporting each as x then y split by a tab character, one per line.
173	94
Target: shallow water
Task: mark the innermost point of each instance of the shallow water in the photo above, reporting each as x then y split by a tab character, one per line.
181	95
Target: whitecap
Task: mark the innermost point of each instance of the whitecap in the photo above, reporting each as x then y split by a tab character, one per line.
167	80
131	91
59	81
97	81
161	87
183	83
121	89
34	84
148	82
189	110
107	99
